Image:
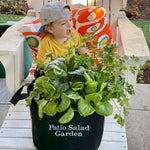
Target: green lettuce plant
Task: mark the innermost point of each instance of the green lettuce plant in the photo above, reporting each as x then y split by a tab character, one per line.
75	84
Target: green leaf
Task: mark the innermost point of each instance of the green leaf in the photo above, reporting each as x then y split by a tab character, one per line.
133	69
41	79
49	89
59	72
43	85
76	86
57	67
87	77
79	71
119	119
35	95
67	116
61	86
51	108
125	112
71	65
58	62
94	97
28	101
124	101
84	60
63	60
85	109
129	88
135	58
91	87
49	55
104	108
41	107
91	74
56	95
103	85
74	95
64	103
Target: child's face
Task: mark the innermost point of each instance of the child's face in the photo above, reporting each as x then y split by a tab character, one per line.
61	28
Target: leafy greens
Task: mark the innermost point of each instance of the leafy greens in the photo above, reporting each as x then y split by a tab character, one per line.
75	84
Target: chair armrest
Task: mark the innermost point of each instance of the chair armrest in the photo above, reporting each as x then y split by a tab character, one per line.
131	42
12	54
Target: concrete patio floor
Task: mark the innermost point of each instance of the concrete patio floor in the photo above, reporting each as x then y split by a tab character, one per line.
137	123
4	100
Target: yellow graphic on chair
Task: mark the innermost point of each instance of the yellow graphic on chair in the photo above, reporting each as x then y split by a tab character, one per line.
33	43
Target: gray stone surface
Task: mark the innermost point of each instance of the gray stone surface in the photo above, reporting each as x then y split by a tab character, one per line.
4	100
141	99
138	121
3	112
138	130
5	95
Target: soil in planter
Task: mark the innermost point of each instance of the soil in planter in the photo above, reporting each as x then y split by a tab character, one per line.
146	75
139	9
145	78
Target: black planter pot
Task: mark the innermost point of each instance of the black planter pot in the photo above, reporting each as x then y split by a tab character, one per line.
81	133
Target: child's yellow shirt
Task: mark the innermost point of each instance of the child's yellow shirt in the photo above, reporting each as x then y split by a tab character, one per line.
48	44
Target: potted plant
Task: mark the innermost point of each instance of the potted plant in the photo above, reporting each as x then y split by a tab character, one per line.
68	103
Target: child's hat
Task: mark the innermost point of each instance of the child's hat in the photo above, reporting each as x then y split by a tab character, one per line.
53	11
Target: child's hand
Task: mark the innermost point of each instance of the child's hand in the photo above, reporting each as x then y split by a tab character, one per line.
82	51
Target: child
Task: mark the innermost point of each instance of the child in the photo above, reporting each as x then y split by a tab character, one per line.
56	18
